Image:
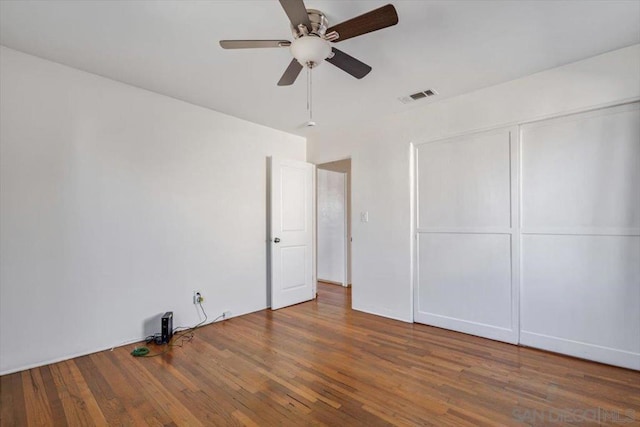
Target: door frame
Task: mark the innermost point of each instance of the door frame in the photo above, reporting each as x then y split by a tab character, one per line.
348	229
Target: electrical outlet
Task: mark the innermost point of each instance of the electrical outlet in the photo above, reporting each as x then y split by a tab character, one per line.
197	297
226	314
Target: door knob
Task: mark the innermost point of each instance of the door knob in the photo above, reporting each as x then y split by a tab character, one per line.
276	240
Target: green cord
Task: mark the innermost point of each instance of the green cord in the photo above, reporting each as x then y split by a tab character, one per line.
140	351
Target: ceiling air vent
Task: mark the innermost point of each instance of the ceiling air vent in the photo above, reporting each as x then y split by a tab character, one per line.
418	95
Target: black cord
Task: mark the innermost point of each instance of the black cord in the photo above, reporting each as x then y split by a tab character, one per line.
152	338
199	324
188	333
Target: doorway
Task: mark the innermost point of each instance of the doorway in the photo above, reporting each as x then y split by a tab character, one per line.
334	222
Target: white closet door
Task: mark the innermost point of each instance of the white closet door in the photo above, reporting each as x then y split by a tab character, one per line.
534	236
580	291
465	266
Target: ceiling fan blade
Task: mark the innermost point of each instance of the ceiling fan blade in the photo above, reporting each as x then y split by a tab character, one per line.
297	12
250	44
291	73
349	64
377	19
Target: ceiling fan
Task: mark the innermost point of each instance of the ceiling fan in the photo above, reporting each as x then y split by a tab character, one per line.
313	37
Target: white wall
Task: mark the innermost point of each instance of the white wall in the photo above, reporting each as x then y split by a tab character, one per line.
380	153
115	204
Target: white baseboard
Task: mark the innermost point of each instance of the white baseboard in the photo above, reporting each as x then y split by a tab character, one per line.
610	356
383	312
468	327
66	357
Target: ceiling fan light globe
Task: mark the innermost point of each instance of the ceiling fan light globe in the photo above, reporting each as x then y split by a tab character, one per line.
310	50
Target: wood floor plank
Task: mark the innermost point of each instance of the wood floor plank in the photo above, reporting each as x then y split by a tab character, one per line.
321	363
36	399
110	405
57	410
229	399
135	404
162	395
77	410
84	396
13	411
244	419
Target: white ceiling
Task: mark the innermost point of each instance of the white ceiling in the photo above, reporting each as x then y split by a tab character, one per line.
171	47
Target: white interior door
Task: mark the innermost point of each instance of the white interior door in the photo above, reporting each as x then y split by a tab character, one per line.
291	241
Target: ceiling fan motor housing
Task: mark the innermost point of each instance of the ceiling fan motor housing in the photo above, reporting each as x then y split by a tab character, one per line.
309	46
319	25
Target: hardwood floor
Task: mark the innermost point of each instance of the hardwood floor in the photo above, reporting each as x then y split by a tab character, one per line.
320	363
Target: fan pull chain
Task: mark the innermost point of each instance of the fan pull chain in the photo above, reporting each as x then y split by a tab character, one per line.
310	94
309	68
307	88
